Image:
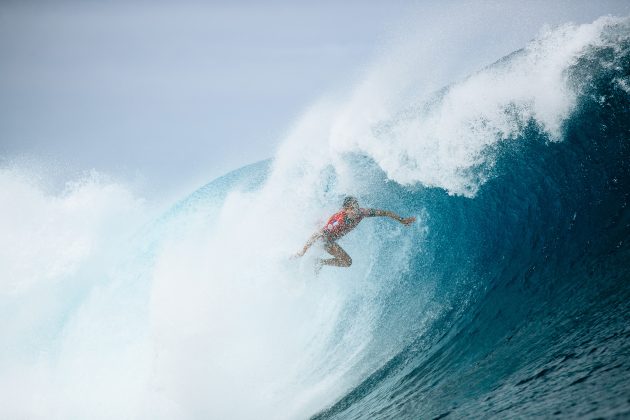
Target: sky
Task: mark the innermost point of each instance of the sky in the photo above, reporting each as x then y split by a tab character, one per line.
174	94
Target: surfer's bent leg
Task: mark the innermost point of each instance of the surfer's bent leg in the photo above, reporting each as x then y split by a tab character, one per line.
342	259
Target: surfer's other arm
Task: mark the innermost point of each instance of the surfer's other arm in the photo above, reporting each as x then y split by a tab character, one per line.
386	213
317	235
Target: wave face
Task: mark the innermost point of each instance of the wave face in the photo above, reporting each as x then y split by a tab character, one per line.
509	297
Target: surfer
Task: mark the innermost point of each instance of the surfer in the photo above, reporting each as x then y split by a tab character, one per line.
341	223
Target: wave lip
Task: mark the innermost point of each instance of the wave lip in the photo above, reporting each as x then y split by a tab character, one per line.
443	140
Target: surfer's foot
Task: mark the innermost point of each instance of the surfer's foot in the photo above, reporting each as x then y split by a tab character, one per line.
318	266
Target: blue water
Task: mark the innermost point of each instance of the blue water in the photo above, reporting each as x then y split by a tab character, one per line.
508	298
536	269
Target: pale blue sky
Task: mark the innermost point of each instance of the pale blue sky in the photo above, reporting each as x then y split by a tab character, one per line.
181	92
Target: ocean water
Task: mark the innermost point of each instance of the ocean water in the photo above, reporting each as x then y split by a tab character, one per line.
508	298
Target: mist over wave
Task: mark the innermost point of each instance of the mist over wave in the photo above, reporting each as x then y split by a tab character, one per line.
513	274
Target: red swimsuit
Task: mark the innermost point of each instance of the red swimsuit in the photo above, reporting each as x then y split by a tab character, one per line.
340	223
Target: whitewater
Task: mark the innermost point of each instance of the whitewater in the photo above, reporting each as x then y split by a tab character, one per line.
508	297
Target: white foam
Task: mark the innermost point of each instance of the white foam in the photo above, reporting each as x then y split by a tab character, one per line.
46	237
56	255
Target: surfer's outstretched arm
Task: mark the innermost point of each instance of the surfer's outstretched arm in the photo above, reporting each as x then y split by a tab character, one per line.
386	213
310	242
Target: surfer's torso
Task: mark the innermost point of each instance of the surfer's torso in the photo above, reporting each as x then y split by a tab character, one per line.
343	222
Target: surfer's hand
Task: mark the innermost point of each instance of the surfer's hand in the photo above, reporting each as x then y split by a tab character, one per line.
408	221
298	255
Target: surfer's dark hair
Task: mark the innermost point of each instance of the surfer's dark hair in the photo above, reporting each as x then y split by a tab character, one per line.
349	200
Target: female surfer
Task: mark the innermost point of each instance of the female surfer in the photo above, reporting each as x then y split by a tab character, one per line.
341	223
